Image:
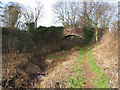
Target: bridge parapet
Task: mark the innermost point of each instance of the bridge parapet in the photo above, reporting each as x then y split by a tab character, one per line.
73	31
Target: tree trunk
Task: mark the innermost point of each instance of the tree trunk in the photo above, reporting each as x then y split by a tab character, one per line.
96	28
35	24
96	35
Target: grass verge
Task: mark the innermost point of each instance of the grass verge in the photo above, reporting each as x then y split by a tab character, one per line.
101	80
77	80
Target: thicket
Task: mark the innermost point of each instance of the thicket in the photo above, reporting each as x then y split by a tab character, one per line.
21	40
49	33
88	34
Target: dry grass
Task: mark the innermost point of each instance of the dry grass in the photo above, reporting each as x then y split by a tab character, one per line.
60	73
17	70
106	54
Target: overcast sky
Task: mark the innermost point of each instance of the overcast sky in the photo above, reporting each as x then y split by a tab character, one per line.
49	18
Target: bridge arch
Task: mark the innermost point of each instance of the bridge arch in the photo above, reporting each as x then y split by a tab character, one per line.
68	32
66	36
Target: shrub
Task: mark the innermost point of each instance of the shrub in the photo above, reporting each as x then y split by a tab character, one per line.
21	40
88	34
50	33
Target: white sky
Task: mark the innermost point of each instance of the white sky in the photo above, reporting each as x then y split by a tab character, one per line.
49	18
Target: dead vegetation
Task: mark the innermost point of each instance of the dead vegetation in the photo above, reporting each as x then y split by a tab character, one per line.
59	74
18	71
106	54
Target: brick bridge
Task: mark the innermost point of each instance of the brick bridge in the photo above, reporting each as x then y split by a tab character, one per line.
78	32
73	32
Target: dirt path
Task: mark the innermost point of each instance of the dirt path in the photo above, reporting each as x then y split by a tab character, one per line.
89	75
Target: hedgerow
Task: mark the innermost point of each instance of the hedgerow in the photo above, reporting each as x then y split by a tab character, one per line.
25	40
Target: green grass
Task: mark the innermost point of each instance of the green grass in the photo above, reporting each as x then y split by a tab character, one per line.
77	47
77	80
101	80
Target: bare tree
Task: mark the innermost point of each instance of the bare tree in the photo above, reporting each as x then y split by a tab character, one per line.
91	14
33	15
59	9
72	14
28	15
38	12
101	16
11	14
66	12
96	14
86	13
73	10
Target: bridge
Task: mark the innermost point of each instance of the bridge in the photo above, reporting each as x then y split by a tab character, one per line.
68	32
73	32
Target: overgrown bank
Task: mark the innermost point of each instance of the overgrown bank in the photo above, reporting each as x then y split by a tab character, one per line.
23	50
18	64
106	54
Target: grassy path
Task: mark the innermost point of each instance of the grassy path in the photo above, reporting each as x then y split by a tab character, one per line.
101	80
77	80
88	74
